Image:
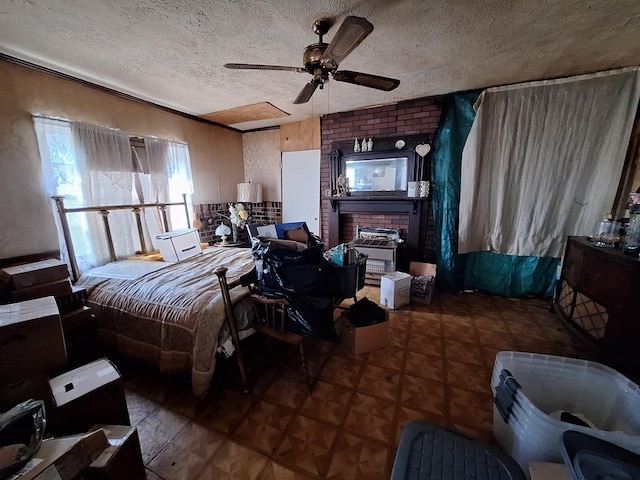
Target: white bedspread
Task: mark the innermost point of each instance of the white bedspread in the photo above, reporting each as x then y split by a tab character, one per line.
127	269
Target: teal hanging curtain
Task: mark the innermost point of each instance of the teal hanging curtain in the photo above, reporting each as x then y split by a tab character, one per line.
456	119
506	275
511	275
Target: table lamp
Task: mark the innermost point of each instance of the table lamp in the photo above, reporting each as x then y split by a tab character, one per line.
223	231
249	192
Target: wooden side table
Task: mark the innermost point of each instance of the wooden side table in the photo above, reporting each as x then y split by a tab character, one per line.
599	292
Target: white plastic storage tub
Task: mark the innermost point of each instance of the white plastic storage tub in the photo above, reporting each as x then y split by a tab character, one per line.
529	387
179	244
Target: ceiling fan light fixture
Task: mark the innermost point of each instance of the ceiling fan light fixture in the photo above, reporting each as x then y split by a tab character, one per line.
320	59
329	64
312	56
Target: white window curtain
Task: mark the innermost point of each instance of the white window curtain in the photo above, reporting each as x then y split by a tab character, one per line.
543	161
97	166
55	146
167	169
104	163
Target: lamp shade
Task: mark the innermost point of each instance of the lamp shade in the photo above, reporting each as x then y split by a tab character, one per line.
250	192
222	229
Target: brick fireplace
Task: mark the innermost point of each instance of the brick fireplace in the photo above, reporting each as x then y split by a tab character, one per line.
385	125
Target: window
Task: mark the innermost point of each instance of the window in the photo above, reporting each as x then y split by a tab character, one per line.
63	179
92	166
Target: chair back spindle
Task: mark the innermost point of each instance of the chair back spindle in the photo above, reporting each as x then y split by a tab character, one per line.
270	317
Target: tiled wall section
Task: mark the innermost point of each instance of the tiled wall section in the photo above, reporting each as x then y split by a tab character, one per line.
414	117
211	214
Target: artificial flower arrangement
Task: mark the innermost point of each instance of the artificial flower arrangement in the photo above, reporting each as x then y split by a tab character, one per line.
238	214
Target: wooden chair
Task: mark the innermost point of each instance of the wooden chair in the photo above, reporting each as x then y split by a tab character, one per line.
270	316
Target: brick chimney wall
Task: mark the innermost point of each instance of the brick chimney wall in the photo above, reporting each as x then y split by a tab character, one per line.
398	121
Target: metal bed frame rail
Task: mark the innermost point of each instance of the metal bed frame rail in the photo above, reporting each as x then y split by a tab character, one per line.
104	212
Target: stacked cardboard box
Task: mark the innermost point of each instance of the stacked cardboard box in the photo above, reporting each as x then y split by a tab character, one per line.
80	328
32	345
50	277
64	458
121	459
75	301
107	452
37	279
31	338
88	395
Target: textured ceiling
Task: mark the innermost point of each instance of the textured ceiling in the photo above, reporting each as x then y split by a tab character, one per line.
171	52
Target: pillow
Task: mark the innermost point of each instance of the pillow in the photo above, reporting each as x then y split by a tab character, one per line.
298	235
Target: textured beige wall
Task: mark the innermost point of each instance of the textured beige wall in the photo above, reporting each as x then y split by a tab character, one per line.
26	224
262	162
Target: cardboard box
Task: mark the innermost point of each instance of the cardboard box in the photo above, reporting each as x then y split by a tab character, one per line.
59	288
64	458
89	395
423	281
76	300
548	471
121	459
179	244
365	339
76	318
35	387
81	337
34	273
395	289
31	337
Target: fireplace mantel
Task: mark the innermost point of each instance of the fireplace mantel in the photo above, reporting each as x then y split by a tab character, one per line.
414	207
373	201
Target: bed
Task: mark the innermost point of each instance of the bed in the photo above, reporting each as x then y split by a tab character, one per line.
173	315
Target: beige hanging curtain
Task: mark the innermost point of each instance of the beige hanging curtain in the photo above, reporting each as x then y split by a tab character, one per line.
543	161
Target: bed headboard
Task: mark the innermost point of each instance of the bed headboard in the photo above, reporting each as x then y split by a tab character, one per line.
103	211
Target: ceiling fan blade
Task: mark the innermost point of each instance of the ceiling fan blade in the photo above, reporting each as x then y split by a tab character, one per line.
307	91
350	34
366	80
252	66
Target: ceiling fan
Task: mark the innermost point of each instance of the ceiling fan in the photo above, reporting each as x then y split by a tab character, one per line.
321	59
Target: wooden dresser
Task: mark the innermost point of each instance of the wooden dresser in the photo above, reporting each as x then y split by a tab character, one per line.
599	292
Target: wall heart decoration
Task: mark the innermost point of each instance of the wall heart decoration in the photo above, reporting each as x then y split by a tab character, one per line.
423	149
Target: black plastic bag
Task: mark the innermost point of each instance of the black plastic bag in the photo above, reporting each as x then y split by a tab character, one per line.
311	317
282	267
364	312
21	433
